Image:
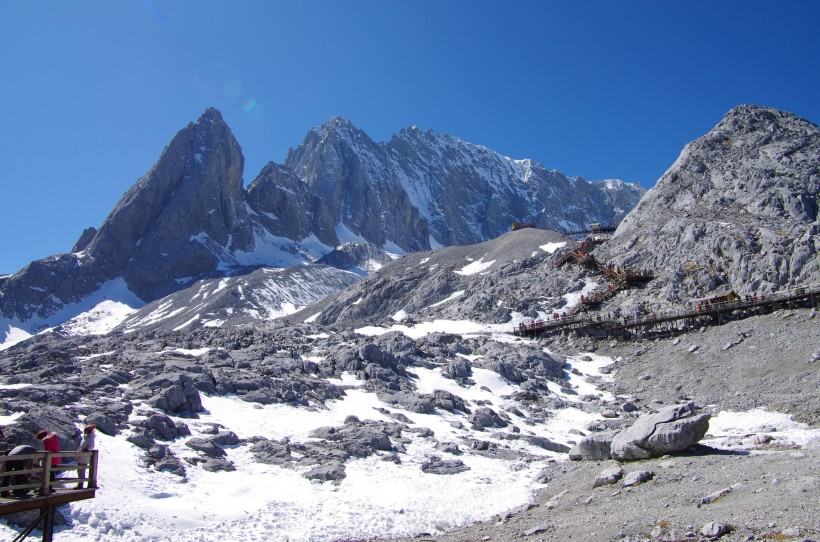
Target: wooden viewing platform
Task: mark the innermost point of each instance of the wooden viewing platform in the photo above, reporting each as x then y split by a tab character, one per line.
669	323
31	488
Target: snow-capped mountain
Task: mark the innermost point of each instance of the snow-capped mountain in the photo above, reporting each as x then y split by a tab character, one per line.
442	191
739	208
189	218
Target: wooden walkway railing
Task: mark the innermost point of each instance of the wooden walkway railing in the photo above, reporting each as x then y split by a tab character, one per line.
673	321
27	485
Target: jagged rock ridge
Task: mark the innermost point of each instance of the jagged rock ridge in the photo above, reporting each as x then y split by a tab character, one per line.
189	217
738	208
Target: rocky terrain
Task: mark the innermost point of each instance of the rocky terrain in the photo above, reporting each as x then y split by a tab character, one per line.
738	208
426	340
759	485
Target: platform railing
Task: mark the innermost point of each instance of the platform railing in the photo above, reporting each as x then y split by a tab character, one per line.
36	470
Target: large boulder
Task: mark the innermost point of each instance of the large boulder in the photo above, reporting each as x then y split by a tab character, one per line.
673	429
450	402
458	369
487	417
595	447
172	392
359	439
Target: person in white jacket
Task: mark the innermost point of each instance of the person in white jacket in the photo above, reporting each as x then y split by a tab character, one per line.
86	445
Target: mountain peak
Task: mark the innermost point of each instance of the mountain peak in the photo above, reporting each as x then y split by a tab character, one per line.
754	118
211	115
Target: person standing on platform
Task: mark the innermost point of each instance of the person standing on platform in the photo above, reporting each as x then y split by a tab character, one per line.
86	445
51	443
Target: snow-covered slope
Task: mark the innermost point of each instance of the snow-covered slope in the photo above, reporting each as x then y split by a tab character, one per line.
262	295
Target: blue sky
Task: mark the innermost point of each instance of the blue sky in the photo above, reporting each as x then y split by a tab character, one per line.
91	92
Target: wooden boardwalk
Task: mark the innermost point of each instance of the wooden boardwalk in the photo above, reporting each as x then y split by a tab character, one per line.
671	323
31	488
617	277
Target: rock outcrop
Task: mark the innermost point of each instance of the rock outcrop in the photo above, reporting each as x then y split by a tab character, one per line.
673	429
738	208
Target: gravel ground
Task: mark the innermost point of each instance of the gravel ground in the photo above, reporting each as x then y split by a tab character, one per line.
768	362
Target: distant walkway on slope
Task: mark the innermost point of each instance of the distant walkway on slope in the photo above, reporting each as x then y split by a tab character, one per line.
675	322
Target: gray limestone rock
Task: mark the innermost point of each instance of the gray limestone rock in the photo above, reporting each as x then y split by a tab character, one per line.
436	465
271	452
160	426
458	369
218	465
174	393
637	477
715	530
207	447
449	402
547	444
608	476
712	497
332	472
595	447
103	422
487	417
673	429
360	439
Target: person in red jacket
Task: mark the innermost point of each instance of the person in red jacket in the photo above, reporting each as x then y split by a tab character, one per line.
51	443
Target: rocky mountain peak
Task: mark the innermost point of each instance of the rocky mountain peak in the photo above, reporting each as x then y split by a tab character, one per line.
754	118
338	130
739	207
174	223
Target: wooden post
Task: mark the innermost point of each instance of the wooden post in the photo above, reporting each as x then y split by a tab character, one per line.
92	469
48	524
45	483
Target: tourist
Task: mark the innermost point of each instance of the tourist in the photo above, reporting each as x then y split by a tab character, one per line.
15	465
51	443
86	445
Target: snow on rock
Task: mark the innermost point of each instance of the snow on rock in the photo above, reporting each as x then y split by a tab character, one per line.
550	248
475	267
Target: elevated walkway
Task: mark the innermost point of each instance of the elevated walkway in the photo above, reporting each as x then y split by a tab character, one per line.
675	322
618	278
27	485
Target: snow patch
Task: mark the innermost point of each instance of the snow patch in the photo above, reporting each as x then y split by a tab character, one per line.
550	248
451	297
728	429
475	267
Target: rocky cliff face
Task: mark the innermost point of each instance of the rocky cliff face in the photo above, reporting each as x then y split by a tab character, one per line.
179	219
739	207
354	185
189	217
422	190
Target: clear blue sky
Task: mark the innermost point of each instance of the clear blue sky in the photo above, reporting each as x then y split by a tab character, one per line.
91	92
